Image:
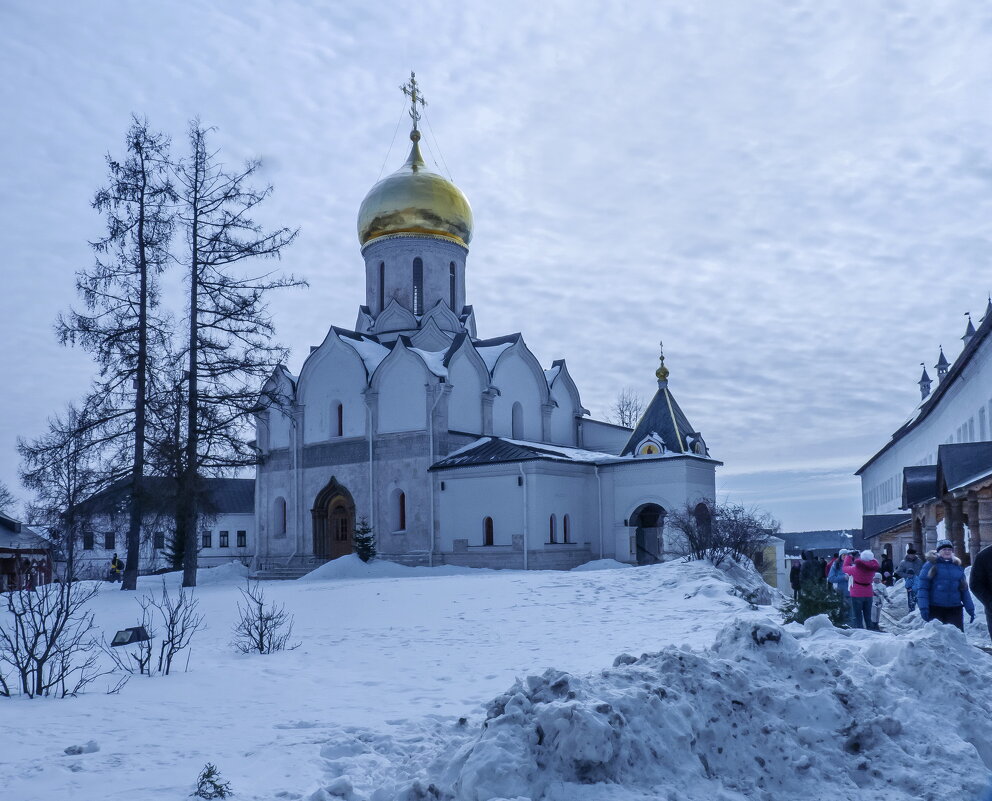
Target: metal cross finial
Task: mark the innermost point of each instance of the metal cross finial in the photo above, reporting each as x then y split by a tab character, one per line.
412	91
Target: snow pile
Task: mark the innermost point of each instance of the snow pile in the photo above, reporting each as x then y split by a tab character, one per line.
767	712
351	567
234	572
600	564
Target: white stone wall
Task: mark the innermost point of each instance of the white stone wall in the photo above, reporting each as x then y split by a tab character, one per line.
962	415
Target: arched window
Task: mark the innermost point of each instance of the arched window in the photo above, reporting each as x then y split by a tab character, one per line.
451	286
566	529
487	531
279	517
398	510
517	421
337	421
553	530
382	285
703	518
418	286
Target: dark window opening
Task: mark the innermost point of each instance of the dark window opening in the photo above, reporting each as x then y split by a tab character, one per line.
402	512
487	531
242	539
109	541
552	530
566	533
418	286
451	286
340	422
88	541
206	539
159	540
224	540
382	285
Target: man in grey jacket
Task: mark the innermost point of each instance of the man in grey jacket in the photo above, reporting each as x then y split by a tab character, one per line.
909	569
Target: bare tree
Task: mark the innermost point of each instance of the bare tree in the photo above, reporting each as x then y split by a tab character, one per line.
715	532
120	293
626	409
7	499
46	637
261	629
62	468
229	351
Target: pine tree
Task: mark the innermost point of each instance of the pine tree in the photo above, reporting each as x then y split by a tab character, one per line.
817	598
364	541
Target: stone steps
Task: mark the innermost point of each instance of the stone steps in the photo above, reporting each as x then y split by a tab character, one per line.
280	573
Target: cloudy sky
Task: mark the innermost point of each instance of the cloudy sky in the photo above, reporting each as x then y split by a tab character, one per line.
795	196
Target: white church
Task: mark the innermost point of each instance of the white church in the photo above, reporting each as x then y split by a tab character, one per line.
455	449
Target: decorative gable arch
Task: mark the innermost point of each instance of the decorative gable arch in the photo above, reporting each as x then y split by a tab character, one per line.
445	319
395	317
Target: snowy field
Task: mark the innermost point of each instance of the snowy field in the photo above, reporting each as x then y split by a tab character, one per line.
612	684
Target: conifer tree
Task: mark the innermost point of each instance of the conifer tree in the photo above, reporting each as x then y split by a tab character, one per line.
228	348
120	294
364	542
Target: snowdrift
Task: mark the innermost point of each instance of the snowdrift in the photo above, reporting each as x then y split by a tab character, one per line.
768	712
351	567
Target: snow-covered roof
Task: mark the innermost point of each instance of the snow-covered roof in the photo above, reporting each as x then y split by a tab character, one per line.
434	359
552	374
490	353
371	352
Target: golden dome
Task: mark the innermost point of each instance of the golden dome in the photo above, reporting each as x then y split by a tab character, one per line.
414	200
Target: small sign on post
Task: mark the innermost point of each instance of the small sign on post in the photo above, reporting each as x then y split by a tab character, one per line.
129	636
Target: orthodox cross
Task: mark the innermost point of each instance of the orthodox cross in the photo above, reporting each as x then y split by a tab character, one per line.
412	91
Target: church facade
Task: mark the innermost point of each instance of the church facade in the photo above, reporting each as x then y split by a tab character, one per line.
455	449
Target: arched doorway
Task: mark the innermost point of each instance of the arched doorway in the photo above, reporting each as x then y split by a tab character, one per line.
648	521
333	522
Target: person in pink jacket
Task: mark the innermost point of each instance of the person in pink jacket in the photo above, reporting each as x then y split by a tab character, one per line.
861	570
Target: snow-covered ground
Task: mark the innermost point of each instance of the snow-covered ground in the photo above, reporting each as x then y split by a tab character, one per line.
657	682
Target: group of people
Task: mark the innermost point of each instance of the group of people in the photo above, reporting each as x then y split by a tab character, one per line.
937	585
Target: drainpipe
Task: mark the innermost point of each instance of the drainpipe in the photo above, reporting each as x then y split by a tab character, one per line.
430	475
520	466
599	498
297	492
368	417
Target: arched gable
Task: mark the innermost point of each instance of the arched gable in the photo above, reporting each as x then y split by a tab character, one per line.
431	337
469	378
395	317
276	400
336	374
566	404
519	377
400	383
443	317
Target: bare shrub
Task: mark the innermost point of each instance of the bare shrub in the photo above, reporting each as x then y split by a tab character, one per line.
261	629
179	620
47	645
715	532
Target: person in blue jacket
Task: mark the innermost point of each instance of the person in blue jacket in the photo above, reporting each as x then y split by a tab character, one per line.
838	578
941	588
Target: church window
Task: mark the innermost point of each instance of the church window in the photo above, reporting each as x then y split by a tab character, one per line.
566	529
451	286
242	539
982	430
399	510
418	286
382	285
487	531
337	425
517	421
552	530
279	517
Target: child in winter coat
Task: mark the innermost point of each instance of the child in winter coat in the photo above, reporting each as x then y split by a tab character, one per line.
879	596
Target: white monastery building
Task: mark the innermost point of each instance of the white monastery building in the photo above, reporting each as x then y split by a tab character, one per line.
454	449
933	478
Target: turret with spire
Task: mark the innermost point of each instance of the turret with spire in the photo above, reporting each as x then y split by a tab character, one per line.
942	365
663	428
969	332
924	382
